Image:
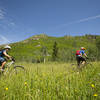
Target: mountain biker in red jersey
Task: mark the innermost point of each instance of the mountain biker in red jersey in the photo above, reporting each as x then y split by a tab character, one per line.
3	53
79	56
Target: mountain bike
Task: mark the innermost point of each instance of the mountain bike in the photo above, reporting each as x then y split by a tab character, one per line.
10	67
88	63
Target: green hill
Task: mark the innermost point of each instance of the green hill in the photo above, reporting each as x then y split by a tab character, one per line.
31	49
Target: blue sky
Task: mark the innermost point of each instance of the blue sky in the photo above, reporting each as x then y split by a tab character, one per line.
20	19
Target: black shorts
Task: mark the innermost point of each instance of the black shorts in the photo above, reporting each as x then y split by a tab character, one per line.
79	59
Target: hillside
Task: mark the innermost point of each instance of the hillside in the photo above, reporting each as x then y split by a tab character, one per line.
31	49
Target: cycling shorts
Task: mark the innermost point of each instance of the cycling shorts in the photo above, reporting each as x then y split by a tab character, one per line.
2	59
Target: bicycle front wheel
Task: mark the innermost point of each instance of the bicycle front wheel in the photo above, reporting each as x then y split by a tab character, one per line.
19	69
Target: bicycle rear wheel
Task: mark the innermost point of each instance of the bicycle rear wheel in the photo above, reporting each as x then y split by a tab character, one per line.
74	67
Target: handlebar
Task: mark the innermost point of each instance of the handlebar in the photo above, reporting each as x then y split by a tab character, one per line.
90	58
12	58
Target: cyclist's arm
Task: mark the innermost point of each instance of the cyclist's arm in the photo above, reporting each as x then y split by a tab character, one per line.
85	55
6	54
81	53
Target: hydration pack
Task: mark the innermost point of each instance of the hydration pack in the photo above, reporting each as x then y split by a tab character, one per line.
1	53
78	52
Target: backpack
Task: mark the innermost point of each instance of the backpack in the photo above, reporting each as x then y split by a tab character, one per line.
78	52
1	53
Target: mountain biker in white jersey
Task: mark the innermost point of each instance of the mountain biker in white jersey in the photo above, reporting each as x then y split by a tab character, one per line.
3	53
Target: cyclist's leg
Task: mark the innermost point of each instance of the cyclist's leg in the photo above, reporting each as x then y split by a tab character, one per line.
78	61
3	62
83	61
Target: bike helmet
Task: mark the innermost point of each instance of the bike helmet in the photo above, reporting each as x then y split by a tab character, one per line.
82	48
7	47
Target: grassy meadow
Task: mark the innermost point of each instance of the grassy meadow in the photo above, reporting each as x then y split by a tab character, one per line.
52	81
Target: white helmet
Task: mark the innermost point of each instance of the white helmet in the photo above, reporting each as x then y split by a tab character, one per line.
7	47
82	48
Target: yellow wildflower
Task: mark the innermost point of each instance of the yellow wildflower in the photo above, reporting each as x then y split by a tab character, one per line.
95	95
25	83
92	85
6	89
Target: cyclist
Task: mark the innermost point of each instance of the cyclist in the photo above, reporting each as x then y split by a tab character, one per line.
3	53
79	56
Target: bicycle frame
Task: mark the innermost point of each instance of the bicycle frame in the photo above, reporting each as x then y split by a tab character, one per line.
14	67
10	63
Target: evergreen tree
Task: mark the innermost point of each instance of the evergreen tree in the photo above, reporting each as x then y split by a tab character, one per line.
55	52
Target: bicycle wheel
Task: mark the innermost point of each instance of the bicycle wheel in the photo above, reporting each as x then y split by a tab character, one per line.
73	67
19	69
90	64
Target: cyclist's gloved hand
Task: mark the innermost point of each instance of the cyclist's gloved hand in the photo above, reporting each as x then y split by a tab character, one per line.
10	58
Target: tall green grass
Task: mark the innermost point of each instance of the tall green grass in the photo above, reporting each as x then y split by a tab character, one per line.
52	81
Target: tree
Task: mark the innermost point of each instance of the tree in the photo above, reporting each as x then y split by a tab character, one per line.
44	53
55	52
98	46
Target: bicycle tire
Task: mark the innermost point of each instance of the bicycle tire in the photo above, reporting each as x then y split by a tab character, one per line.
73	65
19	69
19	66
89	64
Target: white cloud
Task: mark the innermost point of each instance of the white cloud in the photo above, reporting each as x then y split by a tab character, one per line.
11	24
89	18
7	23
4	40
2	14
82	20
